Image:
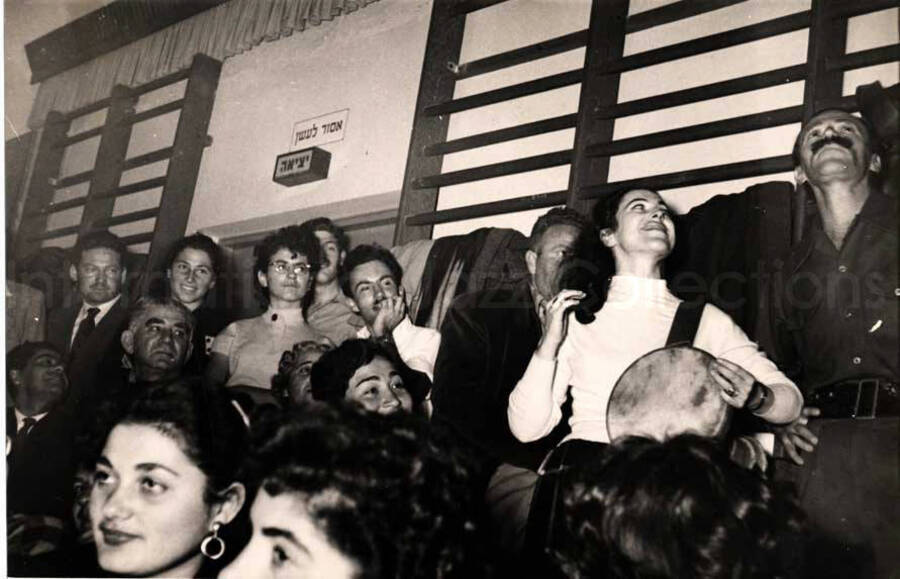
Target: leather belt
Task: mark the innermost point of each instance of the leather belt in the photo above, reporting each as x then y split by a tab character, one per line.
865	398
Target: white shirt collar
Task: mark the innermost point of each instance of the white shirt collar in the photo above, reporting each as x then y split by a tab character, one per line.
20	418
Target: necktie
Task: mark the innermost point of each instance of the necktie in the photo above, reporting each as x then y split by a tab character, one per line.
27	424
85	328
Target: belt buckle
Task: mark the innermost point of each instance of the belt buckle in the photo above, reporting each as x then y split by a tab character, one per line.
866	399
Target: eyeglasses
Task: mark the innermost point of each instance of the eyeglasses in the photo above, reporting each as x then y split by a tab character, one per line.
283	267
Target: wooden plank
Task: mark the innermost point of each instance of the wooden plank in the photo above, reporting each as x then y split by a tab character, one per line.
40	189
54	233
501	135
522	55
436	83
506	93
702	176
863	58
606	44
674	12
148	158
110	155
131	188
162	81
87	109
138	238
537	201
75	179
128	217
155	111
60	206
858	7
184	165
82	136
718	41
708	91
522	165
466	6
99	32
732	126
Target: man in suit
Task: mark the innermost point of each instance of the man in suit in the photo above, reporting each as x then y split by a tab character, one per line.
88	332
487	340
39	433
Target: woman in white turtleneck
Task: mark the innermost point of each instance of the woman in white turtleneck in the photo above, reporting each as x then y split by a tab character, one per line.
247	352
635	319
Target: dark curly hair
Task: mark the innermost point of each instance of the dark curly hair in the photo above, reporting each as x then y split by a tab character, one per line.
679	508
332	372
200	242
288	364
207	428
364	254
296	240
404	506
325	224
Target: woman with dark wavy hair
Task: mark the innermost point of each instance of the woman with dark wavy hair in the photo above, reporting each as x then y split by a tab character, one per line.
370	375
165	484
247	352
677	509
342	493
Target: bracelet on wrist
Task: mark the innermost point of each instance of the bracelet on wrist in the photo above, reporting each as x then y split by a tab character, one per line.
758	397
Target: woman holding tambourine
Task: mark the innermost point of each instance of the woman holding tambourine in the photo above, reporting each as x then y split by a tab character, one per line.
636	318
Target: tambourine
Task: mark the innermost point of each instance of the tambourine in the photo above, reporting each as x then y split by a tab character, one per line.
666	392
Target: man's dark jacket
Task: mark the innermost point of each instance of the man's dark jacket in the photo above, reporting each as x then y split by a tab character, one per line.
40	468
98	359
487	339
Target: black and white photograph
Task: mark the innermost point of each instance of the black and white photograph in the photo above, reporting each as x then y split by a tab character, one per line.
400	289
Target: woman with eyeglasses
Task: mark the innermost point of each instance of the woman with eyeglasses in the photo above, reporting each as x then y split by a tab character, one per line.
192	269
247	352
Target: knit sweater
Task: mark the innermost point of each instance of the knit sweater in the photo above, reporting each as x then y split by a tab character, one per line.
635	320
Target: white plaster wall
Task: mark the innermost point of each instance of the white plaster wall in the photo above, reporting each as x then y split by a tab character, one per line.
521	22
368	61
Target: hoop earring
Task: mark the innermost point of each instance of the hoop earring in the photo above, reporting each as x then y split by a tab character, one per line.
213	538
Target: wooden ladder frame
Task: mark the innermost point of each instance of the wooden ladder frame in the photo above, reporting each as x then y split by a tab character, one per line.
599	107
177	184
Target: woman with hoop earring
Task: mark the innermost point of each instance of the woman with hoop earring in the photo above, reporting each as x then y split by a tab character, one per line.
165	496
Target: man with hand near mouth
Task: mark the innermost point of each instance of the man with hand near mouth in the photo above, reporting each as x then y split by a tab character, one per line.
157	340
371	279
834	329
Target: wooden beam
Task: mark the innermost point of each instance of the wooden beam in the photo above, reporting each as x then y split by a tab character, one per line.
110	155
184	165
606	43
436	84
40	188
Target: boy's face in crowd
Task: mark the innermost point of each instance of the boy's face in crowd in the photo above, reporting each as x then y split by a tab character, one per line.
191	276
371	284
332	257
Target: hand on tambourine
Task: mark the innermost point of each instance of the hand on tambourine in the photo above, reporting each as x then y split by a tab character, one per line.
796	437
749	453
554	315
736	383
391	313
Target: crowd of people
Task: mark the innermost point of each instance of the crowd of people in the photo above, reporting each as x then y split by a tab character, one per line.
331	436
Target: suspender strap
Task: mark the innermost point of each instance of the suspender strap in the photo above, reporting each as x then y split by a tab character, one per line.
684	326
